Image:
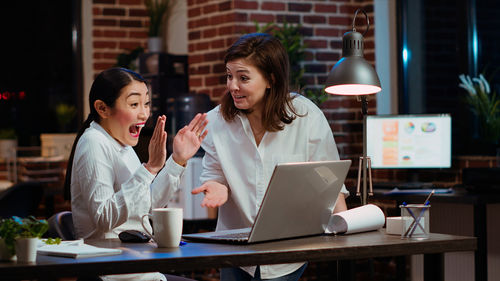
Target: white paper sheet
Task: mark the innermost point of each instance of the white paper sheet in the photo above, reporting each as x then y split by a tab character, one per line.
365	218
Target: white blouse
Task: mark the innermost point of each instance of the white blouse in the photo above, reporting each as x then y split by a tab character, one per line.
233	158
111	190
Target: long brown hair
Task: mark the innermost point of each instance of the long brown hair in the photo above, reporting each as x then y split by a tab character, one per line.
106	87
266	53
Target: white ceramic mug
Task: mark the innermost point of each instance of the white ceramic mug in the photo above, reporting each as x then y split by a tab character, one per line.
167	226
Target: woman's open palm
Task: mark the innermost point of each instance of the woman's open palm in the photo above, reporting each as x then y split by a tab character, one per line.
188	140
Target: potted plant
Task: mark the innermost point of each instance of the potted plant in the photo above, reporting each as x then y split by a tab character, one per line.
20	237
485	104
292	39
158	11
8	143
60	143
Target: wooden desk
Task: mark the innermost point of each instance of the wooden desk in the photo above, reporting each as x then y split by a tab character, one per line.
146	257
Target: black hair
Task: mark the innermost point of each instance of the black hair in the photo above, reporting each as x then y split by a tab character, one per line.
106	87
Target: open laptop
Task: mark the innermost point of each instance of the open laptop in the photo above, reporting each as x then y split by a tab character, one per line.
298	202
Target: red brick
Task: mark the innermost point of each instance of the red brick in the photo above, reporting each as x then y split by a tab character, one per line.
240	17
273	6
113	11
349	9
114	33
209	9
219	68
137	12
129	45
194	12
341	20
194	35
330	32
138	34
217	93
219	19
202	46
325	8
314	19
225	6
96	11
131	2
104	44
199	23
105	22
103	1
217	44
195	59
131	23
316	43
299	7
336	44
288	18
195	82
209	33
97	33
226	30
262	18
103	65
212	81
245	5
327	56
109	55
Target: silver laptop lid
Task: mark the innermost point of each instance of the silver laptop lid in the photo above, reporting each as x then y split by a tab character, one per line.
299	199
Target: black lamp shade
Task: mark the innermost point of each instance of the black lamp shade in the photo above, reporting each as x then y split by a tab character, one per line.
352	74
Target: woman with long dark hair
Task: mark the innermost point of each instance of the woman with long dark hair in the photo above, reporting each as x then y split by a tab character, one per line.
110	188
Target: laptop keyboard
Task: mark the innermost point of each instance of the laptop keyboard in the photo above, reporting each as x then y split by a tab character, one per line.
233	236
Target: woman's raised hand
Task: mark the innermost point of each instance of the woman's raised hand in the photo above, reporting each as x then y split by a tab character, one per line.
157	147
188	140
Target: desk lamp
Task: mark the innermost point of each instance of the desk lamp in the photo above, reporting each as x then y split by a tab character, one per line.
352	75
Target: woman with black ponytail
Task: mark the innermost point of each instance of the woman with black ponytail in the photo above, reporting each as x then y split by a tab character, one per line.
110	189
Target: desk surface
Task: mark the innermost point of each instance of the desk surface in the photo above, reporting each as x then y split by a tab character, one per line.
192	256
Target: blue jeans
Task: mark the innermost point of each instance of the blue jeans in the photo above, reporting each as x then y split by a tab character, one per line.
238	274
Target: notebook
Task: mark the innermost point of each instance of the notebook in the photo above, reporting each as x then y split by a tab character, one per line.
298	202
76	249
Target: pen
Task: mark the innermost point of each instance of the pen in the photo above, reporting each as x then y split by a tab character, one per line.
417	221
426	202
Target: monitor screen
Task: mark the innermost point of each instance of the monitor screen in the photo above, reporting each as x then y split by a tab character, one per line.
409	141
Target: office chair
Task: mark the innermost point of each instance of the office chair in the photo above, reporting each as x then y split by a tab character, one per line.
61	225
21	200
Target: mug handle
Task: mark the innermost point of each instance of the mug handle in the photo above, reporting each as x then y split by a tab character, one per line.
143	226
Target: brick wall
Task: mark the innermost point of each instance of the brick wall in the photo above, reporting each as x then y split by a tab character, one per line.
118	26
213	25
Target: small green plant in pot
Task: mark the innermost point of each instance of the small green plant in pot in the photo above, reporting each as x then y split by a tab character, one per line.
65	114
158	11
16	232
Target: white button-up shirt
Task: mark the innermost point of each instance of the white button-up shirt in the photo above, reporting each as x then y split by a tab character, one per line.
111	190
233	158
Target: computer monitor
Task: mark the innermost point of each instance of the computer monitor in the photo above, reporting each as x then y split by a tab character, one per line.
409	141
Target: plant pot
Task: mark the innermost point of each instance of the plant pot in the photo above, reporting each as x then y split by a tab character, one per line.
5	254
26	249
155	44
7	148
57	144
